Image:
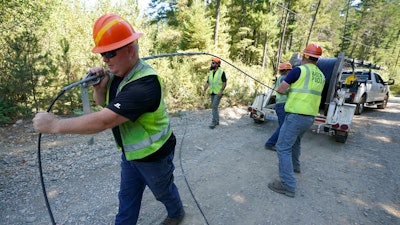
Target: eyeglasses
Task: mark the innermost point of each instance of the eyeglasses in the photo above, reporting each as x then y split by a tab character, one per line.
111	54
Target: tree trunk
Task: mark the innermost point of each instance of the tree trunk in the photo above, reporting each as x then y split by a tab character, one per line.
264	58
217	12
281	40
313	22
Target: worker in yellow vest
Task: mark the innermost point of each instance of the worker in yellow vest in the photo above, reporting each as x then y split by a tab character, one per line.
280	100
303	85
132	94
216	84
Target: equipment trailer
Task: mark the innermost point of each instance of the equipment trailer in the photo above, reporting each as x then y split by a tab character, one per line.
335	115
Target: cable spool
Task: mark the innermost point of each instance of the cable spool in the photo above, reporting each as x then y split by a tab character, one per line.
327	65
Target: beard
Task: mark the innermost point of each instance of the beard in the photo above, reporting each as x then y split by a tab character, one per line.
212	67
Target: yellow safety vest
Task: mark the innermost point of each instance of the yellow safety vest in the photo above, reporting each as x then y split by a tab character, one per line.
280	98
215	81
304	95
151	130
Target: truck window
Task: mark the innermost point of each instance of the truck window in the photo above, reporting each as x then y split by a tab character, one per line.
378	78
361	75
364	76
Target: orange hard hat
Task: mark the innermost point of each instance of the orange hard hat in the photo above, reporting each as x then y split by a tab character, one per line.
217	60
111	32
313	50
285	66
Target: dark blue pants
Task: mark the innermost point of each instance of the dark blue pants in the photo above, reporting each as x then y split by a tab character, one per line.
158	176
280	112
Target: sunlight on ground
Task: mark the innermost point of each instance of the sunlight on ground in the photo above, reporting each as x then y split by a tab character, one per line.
234	113
378	165
391	210
361	202
379	138
53	193
238	198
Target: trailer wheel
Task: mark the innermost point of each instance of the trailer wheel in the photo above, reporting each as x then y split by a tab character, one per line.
258	121
360	106
341	138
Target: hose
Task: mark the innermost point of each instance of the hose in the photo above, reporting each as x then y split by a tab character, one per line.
204	53
184	176
87	81
40	161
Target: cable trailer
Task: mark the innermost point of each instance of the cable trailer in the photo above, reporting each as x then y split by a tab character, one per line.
335	115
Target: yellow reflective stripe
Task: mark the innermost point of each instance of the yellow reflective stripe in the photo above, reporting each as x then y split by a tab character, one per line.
298	90
148	141
307	78
104	30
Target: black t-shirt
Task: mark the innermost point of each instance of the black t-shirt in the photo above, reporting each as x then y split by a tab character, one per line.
136	98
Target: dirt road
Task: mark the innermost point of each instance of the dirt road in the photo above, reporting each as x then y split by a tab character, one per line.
222	174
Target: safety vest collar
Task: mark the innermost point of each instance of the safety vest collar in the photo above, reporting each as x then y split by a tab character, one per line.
305	88
138	67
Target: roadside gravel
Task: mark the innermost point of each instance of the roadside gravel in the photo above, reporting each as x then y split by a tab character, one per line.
222	174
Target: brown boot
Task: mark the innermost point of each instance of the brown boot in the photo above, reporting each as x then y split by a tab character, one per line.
173	221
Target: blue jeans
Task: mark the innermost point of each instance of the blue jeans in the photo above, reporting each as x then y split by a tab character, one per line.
288	147
215	100
280	112
158	176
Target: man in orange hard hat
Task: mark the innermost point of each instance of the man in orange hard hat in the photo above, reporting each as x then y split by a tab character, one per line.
216	84
283	69
131	92
306	83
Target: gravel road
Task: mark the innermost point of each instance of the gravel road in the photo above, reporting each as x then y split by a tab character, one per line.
222	174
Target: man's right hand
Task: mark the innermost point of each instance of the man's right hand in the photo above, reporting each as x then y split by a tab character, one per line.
100	90
99	71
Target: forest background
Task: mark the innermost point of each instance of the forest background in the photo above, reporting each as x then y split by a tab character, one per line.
46	45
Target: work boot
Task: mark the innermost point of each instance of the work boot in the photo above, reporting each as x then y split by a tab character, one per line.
212	125
272	148
276	186
173	221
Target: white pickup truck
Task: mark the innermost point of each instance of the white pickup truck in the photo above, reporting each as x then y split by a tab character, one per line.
365	88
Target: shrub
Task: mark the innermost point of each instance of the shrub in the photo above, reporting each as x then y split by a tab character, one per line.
395	90
7	111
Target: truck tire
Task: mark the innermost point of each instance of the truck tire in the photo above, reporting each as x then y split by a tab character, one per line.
360	106
384	103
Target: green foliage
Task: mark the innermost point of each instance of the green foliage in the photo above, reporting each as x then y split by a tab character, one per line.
47	44
395	90
7	111
163	11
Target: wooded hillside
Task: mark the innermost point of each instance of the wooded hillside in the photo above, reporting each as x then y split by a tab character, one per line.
46	44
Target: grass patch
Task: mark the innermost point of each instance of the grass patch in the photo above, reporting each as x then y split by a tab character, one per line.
395	90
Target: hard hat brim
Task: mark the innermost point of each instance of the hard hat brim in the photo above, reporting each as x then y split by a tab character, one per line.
312	55
113	46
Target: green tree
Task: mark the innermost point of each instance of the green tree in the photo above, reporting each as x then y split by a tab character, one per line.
195	26
24	62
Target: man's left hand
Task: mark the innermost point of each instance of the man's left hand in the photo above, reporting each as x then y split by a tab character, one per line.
43	122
